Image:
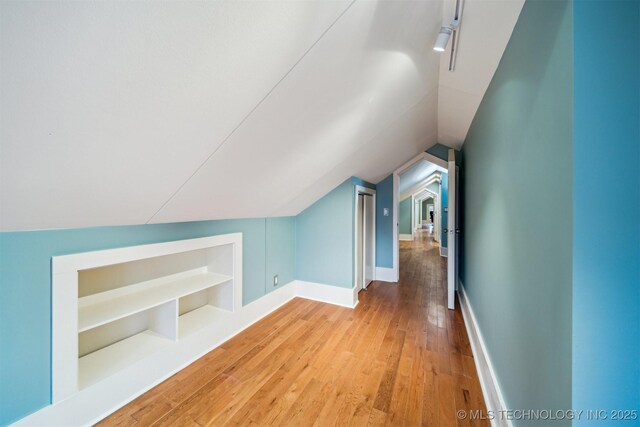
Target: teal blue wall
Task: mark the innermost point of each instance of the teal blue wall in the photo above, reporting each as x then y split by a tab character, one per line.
384	224
280	254
25	289
324	239
359	181
444	200
517	253
317	246
440	151
405	216
606	253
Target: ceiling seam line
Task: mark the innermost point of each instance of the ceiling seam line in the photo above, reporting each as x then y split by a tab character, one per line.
250	113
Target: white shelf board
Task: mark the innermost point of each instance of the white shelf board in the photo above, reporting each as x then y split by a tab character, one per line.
99	309
199	318
109	360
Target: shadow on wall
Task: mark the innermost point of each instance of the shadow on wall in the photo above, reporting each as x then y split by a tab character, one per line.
516	272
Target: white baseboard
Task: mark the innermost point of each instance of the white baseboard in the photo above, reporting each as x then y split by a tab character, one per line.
386	274
103	398
406	237
444	251
490	387
325	293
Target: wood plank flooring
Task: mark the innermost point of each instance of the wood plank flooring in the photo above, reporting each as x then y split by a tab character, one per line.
399	358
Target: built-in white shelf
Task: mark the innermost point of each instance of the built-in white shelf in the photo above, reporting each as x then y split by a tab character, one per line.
104	307
194	320
114	308
115	357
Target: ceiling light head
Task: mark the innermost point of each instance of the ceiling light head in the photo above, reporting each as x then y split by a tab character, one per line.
443	39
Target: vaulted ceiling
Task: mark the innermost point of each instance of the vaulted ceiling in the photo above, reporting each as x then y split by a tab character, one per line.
418	173
145	112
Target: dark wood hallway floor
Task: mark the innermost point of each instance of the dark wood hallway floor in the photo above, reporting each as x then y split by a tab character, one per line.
399	358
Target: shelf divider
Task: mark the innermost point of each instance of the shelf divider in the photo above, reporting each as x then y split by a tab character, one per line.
98	309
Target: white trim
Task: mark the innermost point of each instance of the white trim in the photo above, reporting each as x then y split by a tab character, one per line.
444	252
345	297
396	196
491	391
64	284
434	177
406	237
385	274
440	213
358	190
413	218
452	226
422	156
103	398
396	227
421	194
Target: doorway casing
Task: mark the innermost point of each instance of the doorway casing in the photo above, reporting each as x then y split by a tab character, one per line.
396	202
360	190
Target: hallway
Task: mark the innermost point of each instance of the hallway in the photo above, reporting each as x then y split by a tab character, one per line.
399	358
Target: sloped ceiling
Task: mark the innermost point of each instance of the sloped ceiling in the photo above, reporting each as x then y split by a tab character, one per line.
419	172
483	35
144	112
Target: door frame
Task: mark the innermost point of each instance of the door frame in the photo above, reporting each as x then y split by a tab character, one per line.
396	203
359	189
452	229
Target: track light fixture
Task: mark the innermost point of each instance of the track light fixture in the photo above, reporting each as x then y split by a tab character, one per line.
443	38
446	32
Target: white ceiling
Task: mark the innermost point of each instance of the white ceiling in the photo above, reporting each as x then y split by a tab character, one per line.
483	35
135	112
419	172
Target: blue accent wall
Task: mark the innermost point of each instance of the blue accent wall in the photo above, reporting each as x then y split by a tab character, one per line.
606	253
361	182
404	216
280	254
518	251
324	239
444	200
440	151
25	289
384	224
317	246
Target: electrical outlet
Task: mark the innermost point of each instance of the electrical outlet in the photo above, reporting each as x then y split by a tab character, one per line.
275	280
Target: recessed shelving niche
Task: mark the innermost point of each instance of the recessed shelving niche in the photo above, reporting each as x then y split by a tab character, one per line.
113	308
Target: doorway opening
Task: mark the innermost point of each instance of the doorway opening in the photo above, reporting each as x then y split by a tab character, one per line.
365	237
424	178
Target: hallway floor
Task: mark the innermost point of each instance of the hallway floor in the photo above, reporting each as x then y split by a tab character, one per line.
399	358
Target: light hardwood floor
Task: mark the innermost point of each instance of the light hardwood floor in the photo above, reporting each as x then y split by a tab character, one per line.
399	358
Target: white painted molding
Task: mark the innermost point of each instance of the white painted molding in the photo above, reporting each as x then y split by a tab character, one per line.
423	155
103	398
421	194
396	201
364	190
434	177
396	225
385	274
406	237
65	272
491	391
345	297
444	252
452	225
